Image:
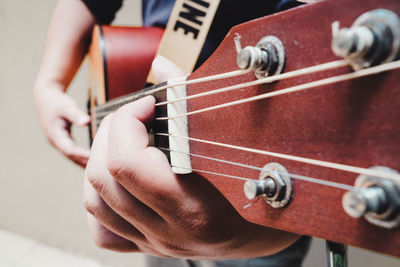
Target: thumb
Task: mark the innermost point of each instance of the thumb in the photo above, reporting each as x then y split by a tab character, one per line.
76	116
164	69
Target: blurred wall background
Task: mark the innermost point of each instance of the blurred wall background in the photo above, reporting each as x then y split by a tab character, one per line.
40	191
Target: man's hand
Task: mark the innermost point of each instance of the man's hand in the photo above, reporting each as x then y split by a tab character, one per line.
67	41
138	204
57	112
132	192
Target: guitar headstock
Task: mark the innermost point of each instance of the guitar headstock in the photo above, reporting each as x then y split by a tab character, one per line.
350	123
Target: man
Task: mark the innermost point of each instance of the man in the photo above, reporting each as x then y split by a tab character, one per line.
135	201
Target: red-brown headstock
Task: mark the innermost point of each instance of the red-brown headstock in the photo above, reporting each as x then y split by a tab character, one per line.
353	122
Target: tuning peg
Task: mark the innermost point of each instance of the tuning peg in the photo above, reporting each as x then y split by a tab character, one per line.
274	185
376	199
250	57
361	201
374	38
351	42
267	58
255	188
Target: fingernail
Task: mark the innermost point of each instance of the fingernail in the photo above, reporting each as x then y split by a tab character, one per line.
83	120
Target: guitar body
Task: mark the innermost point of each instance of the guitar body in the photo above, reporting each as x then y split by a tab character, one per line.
120	59
352	122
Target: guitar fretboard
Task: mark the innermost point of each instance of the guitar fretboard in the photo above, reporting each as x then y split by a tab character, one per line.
100	111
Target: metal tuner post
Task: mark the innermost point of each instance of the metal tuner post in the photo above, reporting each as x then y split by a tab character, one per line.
267	58
274	185
376	199
373	39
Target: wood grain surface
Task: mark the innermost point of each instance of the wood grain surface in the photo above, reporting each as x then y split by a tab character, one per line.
353	122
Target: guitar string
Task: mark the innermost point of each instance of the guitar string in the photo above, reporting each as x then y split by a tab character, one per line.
357	74
299	177
225	175
102	111
126	99
216	173
279	77
251	203
295	176
327	81
327	164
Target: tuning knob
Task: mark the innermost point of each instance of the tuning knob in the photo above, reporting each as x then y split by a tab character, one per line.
274	186
373	39
352	42
267	58
252	58
255	188
361	201
376	199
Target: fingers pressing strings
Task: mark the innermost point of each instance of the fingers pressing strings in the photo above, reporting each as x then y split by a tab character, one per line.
112	193
142	170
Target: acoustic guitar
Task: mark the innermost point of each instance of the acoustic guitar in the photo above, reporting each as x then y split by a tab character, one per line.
294	118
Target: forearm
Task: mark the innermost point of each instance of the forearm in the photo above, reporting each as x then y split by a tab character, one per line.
67	41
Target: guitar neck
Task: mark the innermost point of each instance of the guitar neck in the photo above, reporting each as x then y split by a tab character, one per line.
100	111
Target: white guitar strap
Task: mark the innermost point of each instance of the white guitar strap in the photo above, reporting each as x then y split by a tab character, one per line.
186	33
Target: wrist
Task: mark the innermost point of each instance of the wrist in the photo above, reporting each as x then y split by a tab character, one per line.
42	85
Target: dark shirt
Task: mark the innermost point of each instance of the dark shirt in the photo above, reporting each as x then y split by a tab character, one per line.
103	10
229	14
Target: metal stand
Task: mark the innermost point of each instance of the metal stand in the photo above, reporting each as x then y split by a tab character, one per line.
336	254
